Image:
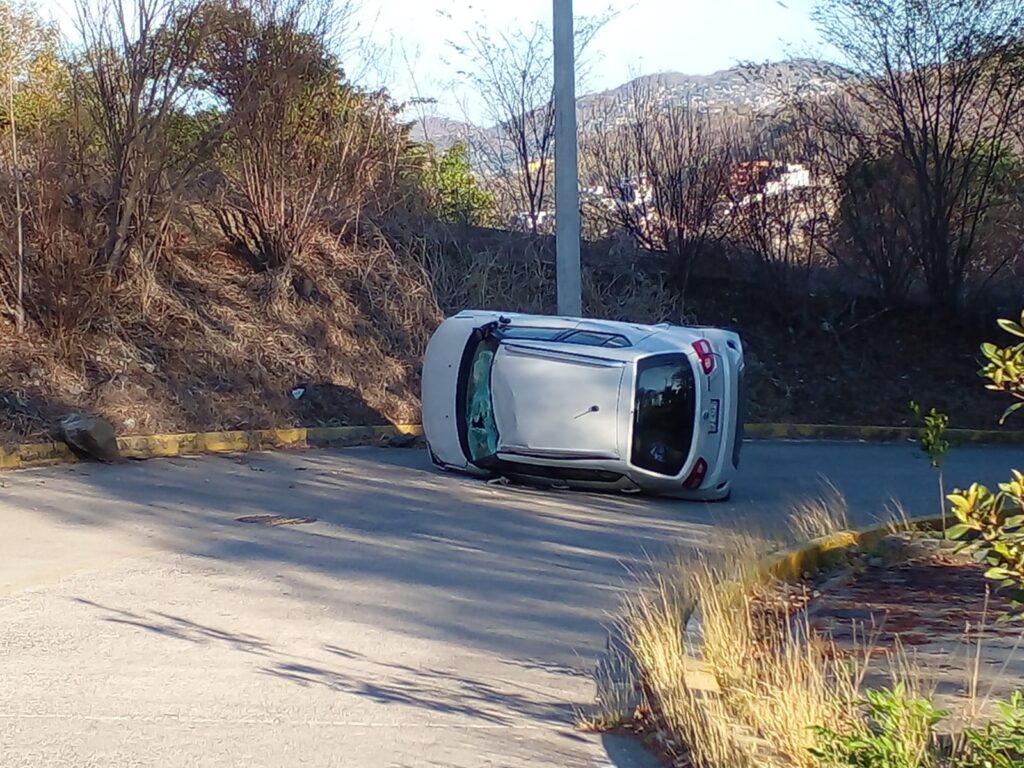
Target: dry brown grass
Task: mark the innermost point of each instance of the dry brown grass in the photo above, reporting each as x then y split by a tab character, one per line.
814	518
732	675
692	712
524	282
198	341
772	683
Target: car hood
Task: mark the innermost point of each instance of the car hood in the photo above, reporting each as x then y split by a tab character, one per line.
553	404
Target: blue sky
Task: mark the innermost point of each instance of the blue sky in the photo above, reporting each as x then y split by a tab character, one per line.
405	43
691	36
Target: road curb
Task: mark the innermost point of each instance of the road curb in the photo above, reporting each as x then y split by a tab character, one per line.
877	434
197	443
815	555
617	669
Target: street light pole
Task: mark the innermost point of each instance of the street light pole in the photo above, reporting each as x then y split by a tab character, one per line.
567	193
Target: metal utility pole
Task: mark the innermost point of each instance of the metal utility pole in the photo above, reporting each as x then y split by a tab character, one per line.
19	307
567	193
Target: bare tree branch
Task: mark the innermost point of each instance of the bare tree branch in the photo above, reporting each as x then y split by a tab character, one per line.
135	59
512	74
938	90
669	169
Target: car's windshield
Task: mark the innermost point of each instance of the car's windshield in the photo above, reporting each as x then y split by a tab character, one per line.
481	430
665	414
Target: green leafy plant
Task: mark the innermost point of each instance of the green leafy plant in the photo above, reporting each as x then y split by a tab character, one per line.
1005	367
898	731
933	444
458	197
1000	744
992	525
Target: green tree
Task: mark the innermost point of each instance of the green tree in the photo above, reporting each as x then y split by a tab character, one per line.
933	444
32	74
456	195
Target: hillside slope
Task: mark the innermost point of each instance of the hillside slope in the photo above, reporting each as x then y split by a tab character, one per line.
205	344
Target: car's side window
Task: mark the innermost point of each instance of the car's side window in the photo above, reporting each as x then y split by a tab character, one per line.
528	333
584	338
596	339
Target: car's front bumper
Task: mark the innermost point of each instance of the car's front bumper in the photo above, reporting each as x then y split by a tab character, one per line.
441	364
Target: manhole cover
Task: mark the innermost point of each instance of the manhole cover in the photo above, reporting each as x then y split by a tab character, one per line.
275	520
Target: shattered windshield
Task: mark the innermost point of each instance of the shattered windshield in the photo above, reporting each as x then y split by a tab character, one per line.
482	432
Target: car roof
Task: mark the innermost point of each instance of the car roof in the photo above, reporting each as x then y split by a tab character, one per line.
643	338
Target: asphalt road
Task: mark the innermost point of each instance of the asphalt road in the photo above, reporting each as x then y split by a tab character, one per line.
423	620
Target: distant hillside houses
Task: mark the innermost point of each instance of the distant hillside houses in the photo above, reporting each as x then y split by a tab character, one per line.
749	182
754	180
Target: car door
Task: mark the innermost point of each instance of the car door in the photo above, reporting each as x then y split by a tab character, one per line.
553	404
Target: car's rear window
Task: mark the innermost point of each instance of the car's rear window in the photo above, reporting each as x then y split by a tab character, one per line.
665	414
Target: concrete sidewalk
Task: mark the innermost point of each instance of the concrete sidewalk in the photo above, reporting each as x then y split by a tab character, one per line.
423	620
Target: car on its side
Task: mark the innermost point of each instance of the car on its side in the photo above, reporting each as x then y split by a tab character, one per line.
588	404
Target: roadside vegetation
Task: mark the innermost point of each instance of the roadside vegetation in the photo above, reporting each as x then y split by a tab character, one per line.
201	210
732	671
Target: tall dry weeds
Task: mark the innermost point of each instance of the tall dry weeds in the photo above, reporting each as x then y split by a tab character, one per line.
502	279
655	626
814	518
733	677
736	676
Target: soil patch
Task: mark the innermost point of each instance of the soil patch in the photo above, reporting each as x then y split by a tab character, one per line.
938	611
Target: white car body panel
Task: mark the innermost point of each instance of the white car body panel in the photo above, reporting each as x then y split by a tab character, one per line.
440	372
566	411
575	412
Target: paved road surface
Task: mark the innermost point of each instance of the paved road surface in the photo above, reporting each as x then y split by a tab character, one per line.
424	620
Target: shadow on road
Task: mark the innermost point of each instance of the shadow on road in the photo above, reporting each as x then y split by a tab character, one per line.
519	572
522	575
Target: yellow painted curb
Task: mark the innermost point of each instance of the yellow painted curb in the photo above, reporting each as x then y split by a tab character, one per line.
789	566
193	443
819	553
875	434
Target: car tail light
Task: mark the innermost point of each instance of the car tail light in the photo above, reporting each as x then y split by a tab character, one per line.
700	471
706	355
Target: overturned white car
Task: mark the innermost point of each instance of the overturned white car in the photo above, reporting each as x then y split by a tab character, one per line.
586	404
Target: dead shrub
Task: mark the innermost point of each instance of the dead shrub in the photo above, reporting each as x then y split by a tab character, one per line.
733	679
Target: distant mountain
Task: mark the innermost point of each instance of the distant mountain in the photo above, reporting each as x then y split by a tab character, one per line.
442	132
758	89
